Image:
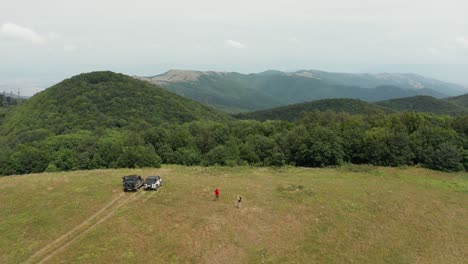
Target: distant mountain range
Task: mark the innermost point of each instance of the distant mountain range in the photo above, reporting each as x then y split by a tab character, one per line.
236	92
107	100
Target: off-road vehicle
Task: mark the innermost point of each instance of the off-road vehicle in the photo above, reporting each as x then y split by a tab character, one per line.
153	182
132	183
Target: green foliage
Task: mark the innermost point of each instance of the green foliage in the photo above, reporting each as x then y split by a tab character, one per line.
465	159
461	100
101	100
46	134
387	148
446	157
185	156
7	103
217	156
139	157
424	104
296	111
52	168
319	139
28	159
315	147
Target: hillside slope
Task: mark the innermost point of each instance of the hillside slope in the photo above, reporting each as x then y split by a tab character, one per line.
230	92
7	103
461	100
424	104
103	100
234	92
296	111
356	214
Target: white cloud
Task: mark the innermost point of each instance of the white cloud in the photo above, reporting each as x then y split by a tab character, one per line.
52	36
70	48
17	32
294	41
463	41
433	51
234	44
155	45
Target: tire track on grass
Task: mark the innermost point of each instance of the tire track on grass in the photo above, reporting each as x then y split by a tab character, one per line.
75	229
88	229
63	241
149	196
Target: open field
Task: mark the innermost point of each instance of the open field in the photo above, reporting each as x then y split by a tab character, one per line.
355	214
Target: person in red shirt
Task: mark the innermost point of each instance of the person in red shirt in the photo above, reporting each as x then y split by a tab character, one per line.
216	194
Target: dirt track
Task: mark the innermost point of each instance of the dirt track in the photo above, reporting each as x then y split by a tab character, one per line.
61	243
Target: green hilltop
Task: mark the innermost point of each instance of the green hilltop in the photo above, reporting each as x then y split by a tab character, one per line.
296	111
103	100
461	100
424	104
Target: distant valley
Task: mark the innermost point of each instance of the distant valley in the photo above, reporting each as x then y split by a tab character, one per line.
235	92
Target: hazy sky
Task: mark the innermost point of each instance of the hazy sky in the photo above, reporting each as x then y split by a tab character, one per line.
44	41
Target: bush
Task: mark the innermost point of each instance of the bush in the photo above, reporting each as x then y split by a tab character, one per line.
28	159
216	156
446	157
315	147
51	168
138	157
185	156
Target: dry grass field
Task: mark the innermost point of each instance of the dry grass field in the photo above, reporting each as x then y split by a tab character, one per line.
352	214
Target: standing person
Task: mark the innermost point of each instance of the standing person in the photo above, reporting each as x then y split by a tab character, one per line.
216	194
239	201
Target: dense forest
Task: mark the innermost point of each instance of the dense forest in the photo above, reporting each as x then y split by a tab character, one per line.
296	111
426	104
318	139
461	100
107	120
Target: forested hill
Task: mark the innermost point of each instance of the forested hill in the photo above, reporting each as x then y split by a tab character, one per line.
109	120
424	104
236	92
296	111
99	100
6	104
461	100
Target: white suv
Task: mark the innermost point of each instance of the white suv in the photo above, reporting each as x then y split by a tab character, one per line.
153	183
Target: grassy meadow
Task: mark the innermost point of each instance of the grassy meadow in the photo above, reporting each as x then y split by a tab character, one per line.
352	214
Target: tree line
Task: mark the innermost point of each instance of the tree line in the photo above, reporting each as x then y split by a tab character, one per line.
319	139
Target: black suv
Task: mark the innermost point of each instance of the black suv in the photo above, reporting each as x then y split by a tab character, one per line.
132	183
